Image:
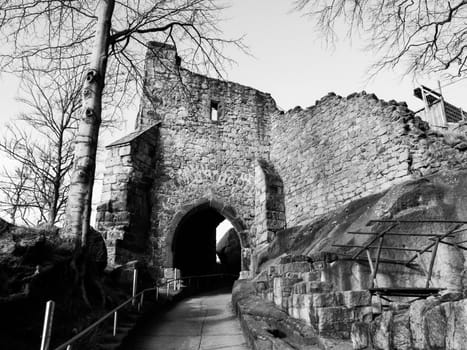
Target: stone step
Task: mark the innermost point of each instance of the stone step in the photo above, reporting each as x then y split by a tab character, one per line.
312	287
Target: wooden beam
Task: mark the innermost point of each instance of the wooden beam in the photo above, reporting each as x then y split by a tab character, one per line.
345	257
372	269
378	255
381	234
373	247
432	262
432	244
433	221
454	245
400	233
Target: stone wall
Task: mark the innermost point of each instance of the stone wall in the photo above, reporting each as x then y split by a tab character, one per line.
342	149
269	203
199	158
123	215
262	169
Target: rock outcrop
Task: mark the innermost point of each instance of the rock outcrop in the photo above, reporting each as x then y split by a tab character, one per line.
228	250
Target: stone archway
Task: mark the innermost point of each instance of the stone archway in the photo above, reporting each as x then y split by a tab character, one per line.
212	212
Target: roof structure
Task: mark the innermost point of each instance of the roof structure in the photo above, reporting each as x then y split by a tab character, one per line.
130	137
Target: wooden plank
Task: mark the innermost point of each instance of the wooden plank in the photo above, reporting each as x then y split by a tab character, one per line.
406	290
372	269
433	221
378	255
432	262
381	234
400	234
346	257
373	247
454	245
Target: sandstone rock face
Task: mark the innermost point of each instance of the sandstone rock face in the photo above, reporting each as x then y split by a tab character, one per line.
456	324
401	336
382	339
417	321
228	250
428	324
359	335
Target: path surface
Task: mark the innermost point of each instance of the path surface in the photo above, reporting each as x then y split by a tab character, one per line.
203	322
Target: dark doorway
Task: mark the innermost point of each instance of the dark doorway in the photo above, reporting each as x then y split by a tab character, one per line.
194	245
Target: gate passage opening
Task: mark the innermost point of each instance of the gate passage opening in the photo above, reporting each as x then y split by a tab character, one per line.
195	249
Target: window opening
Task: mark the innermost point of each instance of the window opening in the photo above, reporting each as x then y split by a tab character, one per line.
214	111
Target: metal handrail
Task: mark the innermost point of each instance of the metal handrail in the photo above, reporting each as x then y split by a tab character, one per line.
102	319
67	345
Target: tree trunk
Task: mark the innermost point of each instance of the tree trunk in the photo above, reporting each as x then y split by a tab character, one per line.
82	181
57	181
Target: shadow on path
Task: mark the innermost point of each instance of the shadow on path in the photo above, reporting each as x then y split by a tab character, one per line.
201	322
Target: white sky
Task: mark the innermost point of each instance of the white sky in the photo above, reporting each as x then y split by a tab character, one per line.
290	61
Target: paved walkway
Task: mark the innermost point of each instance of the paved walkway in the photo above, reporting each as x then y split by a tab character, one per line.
204	322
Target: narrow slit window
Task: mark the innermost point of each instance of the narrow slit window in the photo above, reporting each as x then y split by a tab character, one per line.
214	111
178	61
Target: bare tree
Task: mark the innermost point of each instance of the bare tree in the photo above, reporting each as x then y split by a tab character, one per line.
14	189
107	33
40	144
425	36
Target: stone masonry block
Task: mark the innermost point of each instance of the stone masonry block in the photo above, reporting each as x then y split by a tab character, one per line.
359	335
301	266
311	276
305	306
353	298
300	288
282	289
327	299
318	287
337	318
363	314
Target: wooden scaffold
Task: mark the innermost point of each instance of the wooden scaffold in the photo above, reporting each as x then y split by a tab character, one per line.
377	243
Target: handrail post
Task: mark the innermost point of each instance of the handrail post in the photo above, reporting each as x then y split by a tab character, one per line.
135	282
141	300
47	329
115	324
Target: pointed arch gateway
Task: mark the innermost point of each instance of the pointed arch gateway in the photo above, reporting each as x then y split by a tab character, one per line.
191	239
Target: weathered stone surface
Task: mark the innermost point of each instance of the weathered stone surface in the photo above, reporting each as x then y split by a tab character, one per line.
417	322
296	267
300	288
353	298
359	334
456	324
268	327
282	289
381	331
313	276
327	299
401	336
363	313
435	327
334	320
228	250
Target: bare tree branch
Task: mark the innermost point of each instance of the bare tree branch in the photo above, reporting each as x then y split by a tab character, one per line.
424	36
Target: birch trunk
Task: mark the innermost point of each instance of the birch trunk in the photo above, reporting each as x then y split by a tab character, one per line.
82	181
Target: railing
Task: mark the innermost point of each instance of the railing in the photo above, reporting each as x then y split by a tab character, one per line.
175	282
